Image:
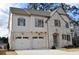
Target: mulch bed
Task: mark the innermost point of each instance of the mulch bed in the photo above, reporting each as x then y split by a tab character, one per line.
70	49
3	51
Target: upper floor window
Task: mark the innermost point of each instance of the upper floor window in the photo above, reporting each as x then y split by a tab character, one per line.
21	22
57	23
68	37
39	23
67	25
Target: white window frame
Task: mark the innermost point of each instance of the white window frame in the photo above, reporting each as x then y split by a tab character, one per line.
37	24
21	21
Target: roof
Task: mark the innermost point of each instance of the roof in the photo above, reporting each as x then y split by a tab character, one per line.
18	11
34	12
29	12
37	12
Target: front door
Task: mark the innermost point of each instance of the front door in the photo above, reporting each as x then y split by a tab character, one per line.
55	38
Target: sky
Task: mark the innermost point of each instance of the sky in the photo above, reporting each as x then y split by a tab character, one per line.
4	15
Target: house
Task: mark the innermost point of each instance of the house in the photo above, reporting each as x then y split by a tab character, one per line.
33	29
76	28
75	33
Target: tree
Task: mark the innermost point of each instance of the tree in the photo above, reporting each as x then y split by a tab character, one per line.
4	39
51	6
43	6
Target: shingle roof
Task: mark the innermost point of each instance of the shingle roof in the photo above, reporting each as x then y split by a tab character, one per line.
33	12
18	11
29	12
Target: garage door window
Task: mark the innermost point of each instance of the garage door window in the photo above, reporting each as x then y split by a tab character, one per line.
41	37
18	37
25	37
35	37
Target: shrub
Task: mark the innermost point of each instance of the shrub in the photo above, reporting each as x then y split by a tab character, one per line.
53	47
69	46
8	46
65	46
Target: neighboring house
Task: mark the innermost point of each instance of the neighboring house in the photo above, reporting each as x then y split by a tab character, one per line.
76	35
72	30
32	29
76	29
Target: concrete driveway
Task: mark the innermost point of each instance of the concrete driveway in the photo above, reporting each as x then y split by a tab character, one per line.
46	52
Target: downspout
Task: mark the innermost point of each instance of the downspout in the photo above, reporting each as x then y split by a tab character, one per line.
48	29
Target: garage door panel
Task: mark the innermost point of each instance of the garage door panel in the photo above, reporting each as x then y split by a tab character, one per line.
35	43
22	44
18	44
39	43
26	44
43	43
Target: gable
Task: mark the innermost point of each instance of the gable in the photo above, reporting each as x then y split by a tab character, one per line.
63	15
56	16
61	11
63	19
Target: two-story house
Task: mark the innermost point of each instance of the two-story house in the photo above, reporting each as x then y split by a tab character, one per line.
33	29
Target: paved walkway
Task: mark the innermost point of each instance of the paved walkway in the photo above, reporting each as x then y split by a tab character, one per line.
46	52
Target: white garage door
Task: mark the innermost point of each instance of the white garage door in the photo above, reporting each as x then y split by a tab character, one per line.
22	43
39	43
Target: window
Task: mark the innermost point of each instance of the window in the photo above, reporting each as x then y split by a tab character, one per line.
72	30
64	36
67	25
41	37
39	23
18	37
34	37
25	37
57	23
68	37
21	22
